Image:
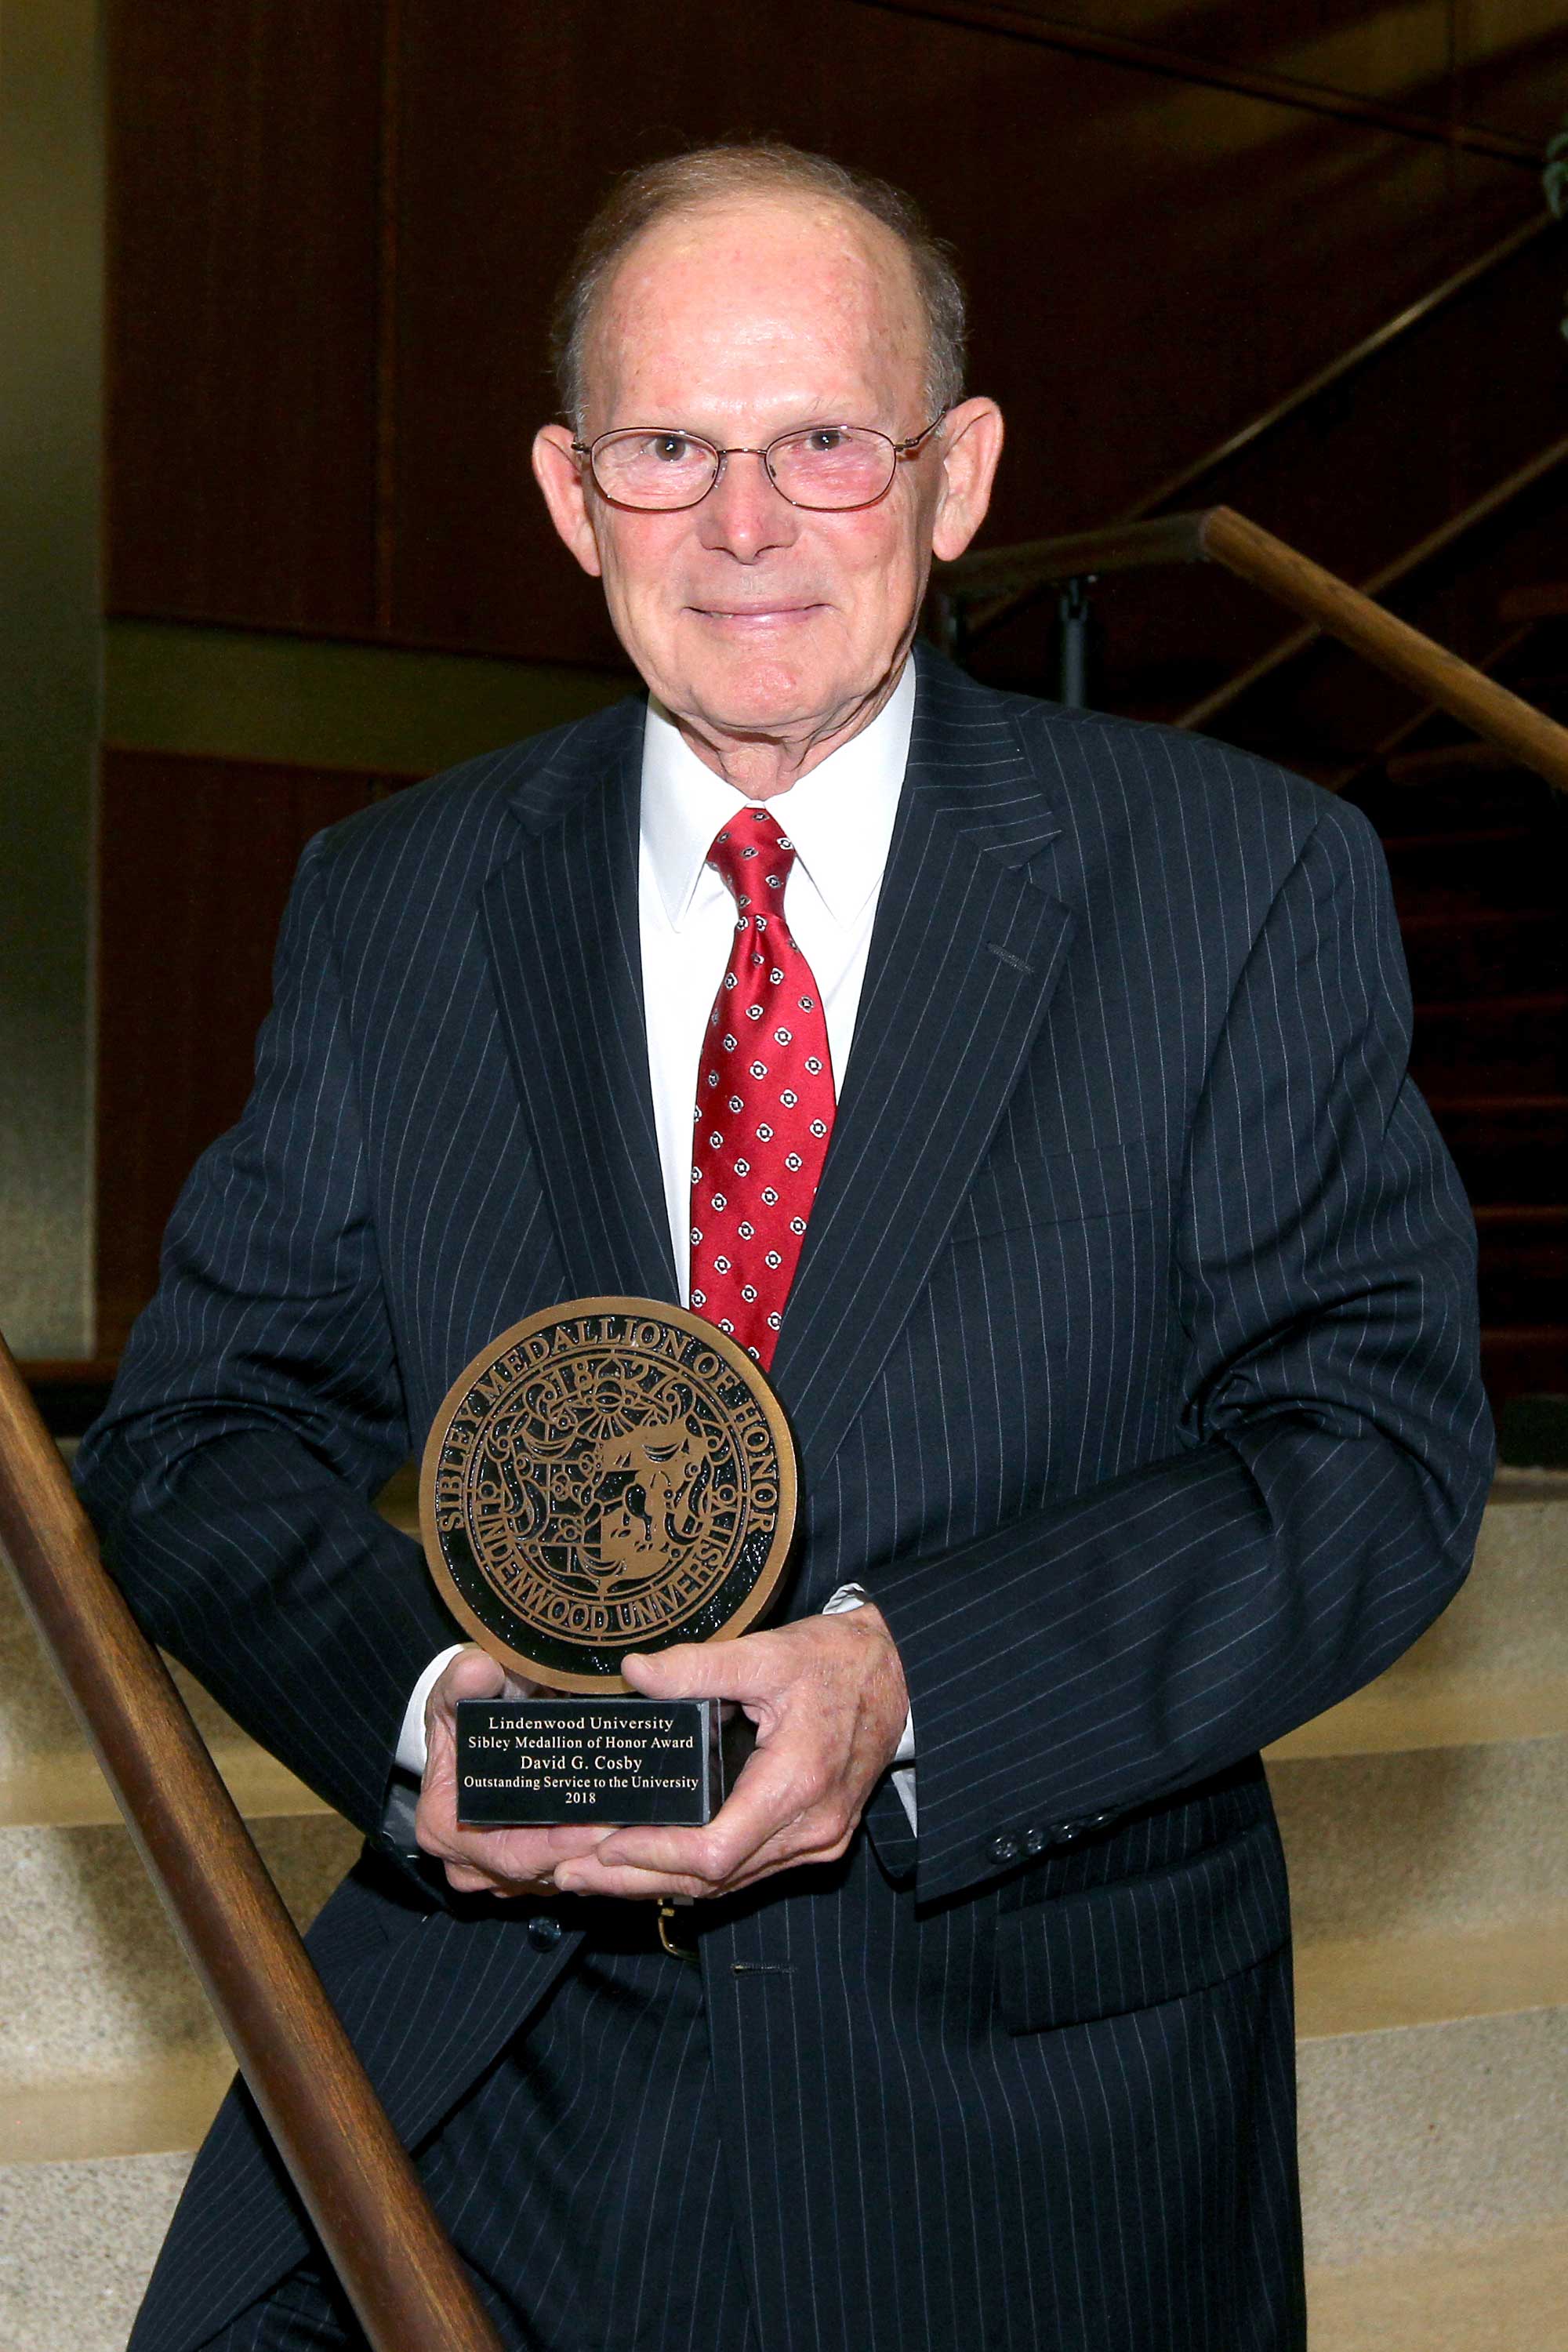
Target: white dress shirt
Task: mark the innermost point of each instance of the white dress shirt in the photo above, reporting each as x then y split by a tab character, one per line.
840	820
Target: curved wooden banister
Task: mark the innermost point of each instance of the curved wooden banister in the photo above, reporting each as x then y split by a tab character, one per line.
409	2290
1389	643
1437	542
1220	535
1076	555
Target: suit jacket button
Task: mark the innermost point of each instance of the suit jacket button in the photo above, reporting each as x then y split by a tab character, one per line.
1035	1841
1066	1832
543	1932
1004	1847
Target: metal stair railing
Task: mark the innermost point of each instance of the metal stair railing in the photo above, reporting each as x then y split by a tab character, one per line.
1327	604
1257	429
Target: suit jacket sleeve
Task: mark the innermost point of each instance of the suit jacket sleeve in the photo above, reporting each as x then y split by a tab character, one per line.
1336	1444
259	1409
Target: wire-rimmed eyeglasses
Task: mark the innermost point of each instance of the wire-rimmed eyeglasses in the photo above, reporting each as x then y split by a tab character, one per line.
826	469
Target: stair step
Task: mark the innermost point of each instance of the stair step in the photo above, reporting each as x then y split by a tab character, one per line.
1524	1270
1515	866
1452	793
1541	600
1379	1984
69	1791
1524	1363
1477	758
1407	1709
162	2111
1507	1151
1420	2136
1511	1614
81	2242
95	1983
1491	2295
1420	1841
1493	1045
1485	952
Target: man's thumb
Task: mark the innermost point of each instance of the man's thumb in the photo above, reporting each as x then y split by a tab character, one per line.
687	1670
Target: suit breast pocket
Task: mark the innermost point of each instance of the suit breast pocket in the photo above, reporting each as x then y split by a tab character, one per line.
1058	1188
1098	1953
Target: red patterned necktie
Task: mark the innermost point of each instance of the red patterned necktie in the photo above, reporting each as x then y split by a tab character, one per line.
764	1100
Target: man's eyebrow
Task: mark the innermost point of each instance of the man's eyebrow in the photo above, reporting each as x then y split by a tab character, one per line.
808	421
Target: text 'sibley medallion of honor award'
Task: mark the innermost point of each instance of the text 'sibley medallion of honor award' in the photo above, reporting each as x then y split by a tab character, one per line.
610	1475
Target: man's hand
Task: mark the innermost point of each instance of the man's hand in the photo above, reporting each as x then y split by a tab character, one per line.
484	1861
828	1696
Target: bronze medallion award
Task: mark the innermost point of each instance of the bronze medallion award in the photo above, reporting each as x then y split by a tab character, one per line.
610	1475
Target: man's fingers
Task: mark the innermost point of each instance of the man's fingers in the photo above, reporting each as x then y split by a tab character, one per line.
772	1794
743	1670
472	1673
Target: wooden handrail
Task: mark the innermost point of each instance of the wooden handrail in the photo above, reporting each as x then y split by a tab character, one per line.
1220	535
1447	534
1389	643
1078	555
409	2290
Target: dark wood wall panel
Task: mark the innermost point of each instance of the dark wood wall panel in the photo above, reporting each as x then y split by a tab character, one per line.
244	246
195	860
1152	261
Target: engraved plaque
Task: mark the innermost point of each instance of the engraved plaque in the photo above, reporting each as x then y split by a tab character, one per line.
610	1475
531	1762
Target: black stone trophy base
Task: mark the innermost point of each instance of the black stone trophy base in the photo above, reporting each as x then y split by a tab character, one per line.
526	1763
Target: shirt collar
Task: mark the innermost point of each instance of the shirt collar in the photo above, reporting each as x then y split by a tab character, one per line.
840	816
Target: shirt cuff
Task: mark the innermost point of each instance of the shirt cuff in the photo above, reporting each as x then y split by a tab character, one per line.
411	1750
854	1596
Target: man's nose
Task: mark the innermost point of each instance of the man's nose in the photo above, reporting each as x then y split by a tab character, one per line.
743	515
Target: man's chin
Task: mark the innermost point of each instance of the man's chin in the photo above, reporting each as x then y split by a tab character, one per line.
763	698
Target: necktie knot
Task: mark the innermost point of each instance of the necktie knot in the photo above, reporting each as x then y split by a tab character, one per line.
752	857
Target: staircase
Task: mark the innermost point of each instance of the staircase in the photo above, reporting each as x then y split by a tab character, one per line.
1423	1821
1478	857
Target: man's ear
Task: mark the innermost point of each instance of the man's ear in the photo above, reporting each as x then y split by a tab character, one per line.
561	478
971	444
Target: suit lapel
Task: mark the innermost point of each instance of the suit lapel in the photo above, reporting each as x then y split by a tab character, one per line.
966	950
560	923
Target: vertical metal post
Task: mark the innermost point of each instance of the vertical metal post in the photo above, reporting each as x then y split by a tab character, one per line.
947	624
1072	615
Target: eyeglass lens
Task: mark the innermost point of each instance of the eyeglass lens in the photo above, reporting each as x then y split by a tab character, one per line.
825	466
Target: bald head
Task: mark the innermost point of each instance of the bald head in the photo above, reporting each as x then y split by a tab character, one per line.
727	176
793	301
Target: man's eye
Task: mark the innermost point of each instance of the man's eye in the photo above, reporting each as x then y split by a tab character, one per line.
826	439
670	448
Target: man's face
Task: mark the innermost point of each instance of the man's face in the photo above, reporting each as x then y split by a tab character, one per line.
746	616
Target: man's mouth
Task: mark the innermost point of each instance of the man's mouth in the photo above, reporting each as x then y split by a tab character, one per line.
752	616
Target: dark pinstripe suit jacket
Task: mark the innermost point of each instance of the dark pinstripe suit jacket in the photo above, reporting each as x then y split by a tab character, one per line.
1132	1360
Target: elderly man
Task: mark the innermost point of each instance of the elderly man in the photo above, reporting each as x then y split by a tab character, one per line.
1128	1346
